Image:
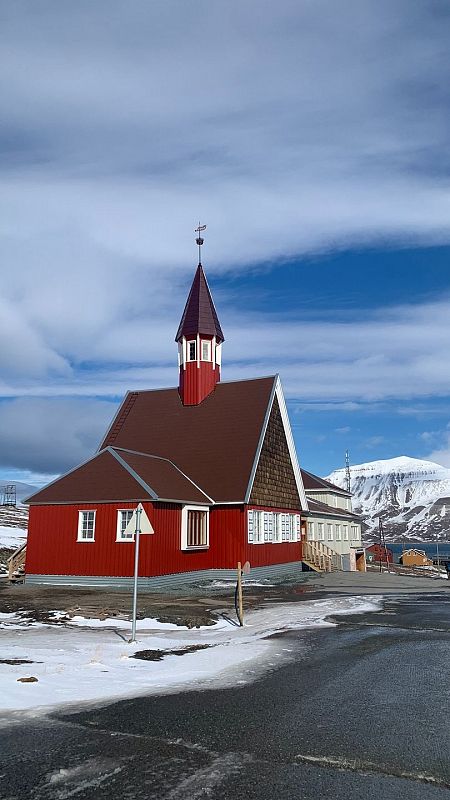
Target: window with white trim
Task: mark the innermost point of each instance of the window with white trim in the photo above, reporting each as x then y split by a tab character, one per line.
123	518
354	532
345	529
310	531
275	527
194	528
206	350
329	531
192	350
321	531
86	526
338	533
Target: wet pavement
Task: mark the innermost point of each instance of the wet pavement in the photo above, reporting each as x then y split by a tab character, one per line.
357	711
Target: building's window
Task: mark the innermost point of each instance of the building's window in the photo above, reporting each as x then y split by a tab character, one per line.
338	533
123	518
345	529
197	534
330	532
277	532
192	351
206	350
267	526
321	531
194	528
310	530
354	532
86	526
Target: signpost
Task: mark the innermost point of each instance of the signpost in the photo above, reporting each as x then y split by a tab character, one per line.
238	594
138	524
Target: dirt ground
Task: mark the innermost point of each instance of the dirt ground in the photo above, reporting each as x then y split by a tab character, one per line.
203	607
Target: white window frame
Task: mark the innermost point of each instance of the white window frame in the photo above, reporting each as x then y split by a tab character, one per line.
354	533
338	532
184	528
276	537
188	350
119	535
310	531
80	537
207	343
330	536
320	531
345	533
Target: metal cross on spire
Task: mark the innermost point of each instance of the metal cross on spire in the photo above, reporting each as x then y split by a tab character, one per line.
199	240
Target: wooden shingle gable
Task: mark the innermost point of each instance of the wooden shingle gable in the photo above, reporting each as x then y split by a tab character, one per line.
276	479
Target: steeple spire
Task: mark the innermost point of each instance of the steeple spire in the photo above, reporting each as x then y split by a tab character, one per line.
200	339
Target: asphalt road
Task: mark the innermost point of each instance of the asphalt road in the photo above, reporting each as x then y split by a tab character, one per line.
359	711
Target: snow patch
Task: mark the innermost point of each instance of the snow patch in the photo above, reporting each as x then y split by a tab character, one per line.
89	661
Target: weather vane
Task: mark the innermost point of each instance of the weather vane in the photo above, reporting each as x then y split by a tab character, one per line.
199	240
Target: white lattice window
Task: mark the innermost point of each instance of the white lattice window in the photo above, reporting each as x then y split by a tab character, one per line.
345	530
192	350
123	518
321	531
206	350
86	526
329	531
354	532
310	531
338	533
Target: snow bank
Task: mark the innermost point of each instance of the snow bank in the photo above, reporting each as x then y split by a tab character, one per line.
12	537
89	660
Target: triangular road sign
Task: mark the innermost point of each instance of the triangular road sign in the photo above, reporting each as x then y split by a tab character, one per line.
145	526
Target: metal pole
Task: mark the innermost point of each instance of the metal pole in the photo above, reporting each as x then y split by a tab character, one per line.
241	605
437	555
136	569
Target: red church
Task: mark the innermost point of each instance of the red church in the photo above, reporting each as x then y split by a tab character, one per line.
213	464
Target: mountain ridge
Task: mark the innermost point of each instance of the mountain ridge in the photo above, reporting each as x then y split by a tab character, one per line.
411	496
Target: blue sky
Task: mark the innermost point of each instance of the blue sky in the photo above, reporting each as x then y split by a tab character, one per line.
312	140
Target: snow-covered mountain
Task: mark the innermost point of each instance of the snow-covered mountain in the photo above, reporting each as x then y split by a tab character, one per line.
412	497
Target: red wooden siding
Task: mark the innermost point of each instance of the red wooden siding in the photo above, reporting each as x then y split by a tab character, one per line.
196	383
53	548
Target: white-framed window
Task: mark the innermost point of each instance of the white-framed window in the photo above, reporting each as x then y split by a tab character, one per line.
329	531
123	517
277	532
192	350
206	350
345	530
86	526
354	532
310	531
338	532
275	527
321	531
194	528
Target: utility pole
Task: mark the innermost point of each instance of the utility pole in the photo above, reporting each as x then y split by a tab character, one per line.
348	480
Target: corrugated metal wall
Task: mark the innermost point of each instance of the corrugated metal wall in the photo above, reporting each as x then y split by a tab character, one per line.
196	383
53	547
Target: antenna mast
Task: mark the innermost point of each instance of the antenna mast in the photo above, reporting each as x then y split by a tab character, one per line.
348	480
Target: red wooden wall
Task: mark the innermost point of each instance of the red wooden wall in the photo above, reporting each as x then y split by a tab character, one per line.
197	382
53	548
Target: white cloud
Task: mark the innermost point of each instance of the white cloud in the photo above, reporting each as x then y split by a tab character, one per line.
296	129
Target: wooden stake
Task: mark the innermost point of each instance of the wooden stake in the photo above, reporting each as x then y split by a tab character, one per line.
239	583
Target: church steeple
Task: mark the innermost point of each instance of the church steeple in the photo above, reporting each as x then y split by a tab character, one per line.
200	339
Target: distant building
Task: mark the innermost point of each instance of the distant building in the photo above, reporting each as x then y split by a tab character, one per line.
330	519
415	558
377	553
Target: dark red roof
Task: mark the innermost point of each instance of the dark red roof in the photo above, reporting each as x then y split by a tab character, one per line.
120	475
214	443
311	482
199	315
